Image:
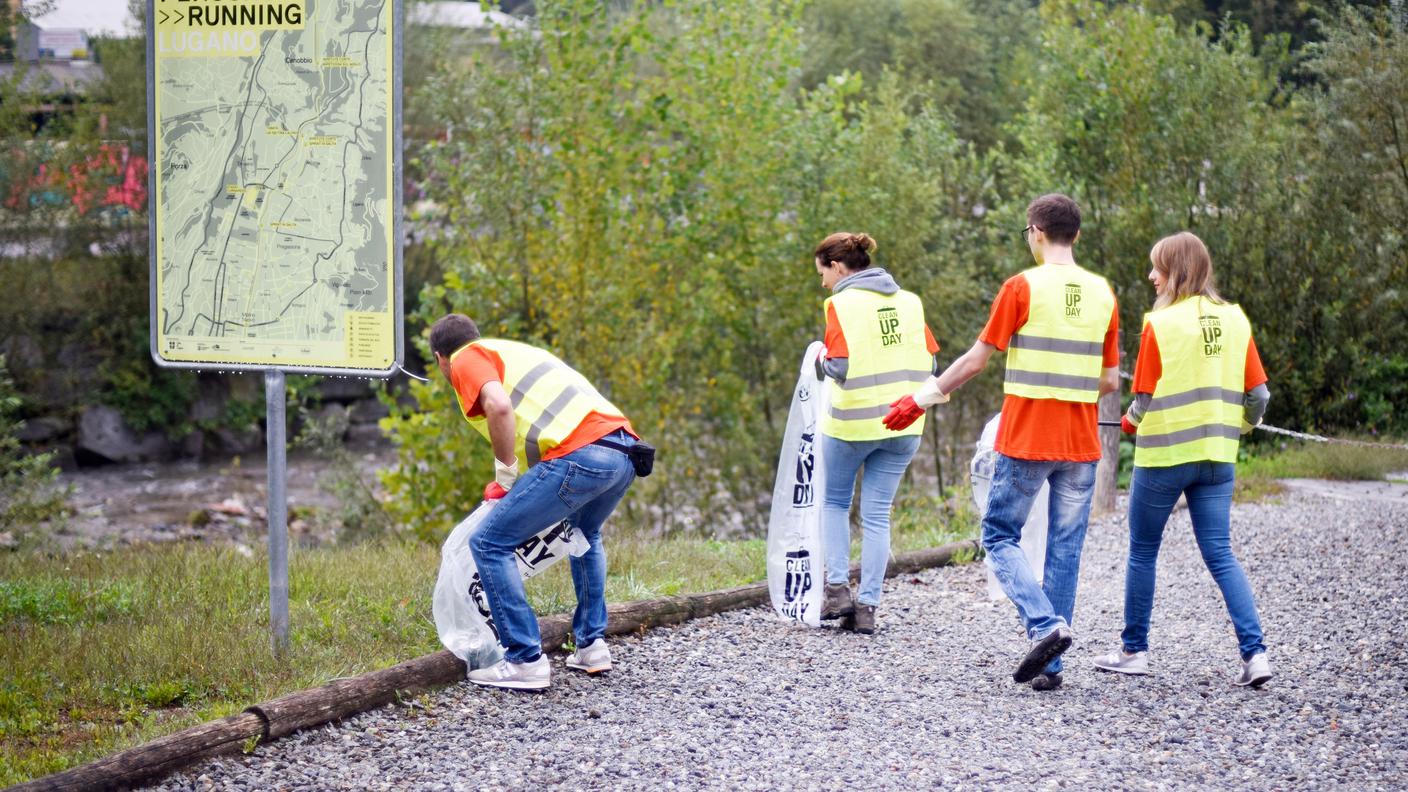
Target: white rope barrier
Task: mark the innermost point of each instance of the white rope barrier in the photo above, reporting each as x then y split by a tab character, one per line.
1305	435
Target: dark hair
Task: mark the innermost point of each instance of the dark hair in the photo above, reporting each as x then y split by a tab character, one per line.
451	332
853	250
1057	216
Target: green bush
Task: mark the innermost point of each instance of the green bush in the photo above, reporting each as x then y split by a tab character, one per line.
29	489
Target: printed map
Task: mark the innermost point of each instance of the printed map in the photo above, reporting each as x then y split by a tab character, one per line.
274	183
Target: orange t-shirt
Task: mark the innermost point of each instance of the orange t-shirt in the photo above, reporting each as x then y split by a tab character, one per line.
1149	367
835	340
1043	429
476	365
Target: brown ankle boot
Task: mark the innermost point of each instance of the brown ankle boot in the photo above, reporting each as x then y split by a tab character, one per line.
836	601
863	621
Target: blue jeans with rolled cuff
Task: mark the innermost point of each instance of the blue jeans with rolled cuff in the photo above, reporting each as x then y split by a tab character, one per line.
1153	491
583	487
1015	483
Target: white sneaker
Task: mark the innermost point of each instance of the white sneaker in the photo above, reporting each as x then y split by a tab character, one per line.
1136	664
1255	672
594	658
515	676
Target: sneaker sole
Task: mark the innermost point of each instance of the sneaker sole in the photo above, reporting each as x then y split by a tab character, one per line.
1038	658
837	615
510	685
1125	671
1253	683
593	670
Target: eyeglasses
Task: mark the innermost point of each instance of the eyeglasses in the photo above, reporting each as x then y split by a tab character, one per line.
1026	232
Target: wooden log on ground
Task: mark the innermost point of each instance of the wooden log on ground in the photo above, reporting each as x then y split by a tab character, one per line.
158	757
929	557
342	698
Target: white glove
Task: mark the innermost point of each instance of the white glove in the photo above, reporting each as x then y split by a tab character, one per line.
928	394
506	474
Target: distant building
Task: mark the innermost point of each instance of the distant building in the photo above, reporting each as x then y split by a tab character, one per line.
459	14
62	44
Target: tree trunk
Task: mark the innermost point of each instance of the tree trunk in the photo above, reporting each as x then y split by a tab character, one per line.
1107	471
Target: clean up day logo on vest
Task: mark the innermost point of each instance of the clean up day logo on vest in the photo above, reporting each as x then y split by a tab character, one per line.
889	326
797	583
1212	336
1073	300
803	493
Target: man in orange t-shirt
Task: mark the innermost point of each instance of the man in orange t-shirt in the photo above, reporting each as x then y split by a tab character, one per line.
1039	439
562	451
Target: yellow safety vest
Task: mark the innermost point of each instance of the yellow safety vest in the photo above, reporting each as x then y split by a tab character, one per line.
1058	353
1196	412
550	399
888	359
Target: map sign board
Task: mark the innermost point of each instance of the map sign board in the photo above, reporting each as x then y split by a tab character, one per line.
275	184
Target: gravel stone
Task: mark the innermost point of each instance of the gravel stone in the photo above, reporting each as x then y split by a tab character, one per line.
743	701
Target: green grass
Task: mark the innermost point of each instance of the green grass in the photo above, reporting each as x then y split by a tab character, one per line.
1258	472
101	651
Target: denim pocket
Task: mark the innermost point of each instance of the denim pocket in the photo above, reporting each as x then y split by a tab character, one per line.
1221	472
1160	480
582	484
1025	477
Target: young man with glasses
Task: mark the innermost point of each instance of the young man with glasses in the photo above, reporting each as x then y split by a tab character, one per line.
1058	324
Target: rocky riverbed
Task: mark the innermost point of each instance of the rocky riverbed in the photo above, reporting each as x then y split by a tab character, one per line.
742	701
224	500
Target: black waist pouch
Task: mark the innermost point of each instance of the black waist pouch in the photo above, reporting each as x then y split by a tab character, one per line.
642	456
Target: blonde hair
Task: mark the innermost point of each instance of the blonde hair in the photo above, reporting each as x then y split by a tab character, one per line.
1184	262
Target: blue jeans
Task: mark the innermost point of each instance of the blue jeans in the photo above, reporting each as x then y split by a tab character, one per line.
885	462
584	486
1015	483
1152	495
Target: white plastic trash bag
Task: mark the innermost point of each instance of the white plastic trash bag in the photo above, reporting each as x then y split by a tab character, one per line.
1033	542
459	606
796	571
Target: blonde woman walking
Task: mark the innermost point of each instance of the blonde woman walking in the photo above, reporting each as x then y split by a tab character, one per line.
1198	386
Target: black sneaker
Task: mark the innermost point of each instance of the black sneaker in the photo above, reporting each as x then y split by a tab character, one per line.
836	601
1045	681
1043	651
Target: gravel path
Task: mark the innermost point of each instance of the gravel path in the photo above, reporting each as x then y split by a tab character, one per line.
741	701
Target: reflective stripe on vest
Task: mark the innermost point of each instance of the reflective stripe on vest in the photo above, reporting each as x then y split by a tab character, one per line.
550	399
1196	412
888	359
1058	353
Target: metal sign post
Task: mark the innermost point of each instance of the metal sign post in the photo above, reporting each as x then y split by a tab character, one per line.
274	130
275	399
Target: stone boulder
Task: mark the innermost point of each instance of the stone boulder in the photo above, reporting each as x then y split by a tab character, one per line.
367	411
241	442
103	437
44	429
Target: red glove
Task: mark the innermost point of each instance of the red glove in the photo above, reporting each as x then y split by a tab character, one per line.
1126	426
493	491
903	412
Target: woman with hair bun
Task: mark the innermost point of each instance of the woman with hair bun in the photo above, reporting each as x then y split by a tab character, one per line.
1198	386
878	348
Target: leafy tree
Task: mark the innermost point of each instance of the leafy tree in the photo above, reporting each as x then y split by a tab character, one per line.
965	58
1358	203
